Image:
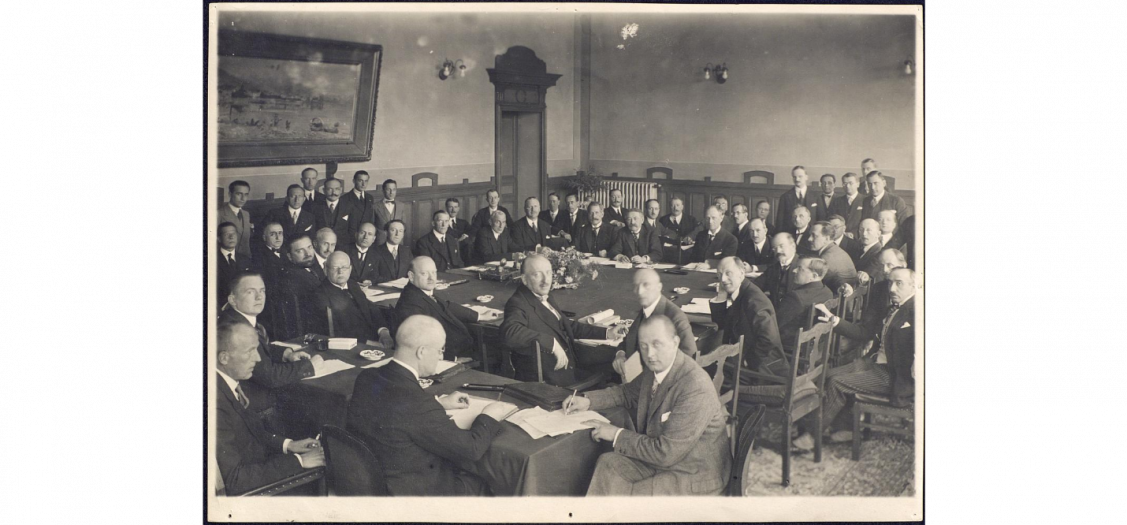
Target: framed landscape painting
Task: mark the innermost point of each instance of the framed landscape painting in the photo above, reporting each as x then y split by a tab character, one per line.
293	100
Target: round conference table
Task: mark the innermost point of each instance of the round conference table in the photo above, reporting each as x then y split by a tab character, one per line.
516	464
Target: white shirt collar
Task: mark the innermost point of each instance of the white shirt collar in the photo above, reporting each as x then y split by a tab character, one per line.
341	286
223	252
496	236
877	198
252	318
364	251
408	367
234	209
531	221
439	236
759	245
652	222
740	226
393	248
660	376
320	261
789	262
332	204
837	241
868	246
885	237
802	231
649	310
359	194
734	295
231	382
594	226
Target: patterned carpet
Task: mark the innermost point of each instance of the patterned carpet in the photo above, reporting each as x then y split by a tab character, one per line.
886	468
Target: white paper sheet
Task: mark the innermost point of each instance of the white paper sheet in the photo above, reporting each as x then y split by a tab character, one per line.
384	297
632	367
519	418
287	345
599	316
484	310
557	424
597	260
378	364
664	266
330	366
398	283
697	306
443	366
464	417
598	342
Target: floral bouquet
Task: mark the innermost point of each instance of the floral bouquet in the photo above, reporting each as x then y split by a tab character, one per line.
569	268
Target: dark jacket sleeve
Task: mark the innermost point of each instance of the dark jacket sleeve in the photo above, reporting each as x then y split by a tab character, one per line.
240	475
653	248
516	332
271	374
435	432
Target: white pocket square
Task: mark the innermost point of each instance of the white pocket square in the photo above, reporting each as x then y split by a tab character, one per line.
307	228
345	217
717	253
860	207
906	325
665	417
813	205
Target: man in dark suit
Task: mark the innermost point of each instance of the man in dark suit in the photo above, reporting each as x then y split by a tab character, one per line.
247	454
494	244
647	289
728	223
438	245
233	212
714	243
418	299
808	290
276	366
825	200
298	281
839	266
740	308
595	236
652	221
362	256
681	445
530	231
459	228
614	212
879	199
743	229
891	328
635	243
313	198
229	262
330	213
268	258
553	212
392	257
681	229
357	205
799	196
532	316
353	315
801	230
295	221
481	219
870	247
417	444
386	210
763	211
851	246
890	229
757	251
850	205
568	222
776	279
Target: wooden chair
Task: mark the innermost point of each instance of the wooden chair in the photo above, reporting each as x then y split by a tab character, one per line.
287	318
748	428
582	386
719	357
304	477
351	467
803	388
864	404
849	310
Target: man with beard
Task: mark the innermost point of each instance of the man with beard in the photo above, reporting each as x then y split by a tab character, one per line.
595	236
298	282
635	244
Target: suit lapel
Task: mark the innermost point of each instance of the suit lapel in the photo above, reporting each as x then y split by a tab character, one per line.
547	316
644	404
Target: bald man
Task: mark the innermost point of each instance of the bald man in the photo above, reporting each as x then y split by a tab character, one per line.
647	290
417	444
870	246
324	244
494	244
418	298
741	308
681	443
532	316
248	455
353	315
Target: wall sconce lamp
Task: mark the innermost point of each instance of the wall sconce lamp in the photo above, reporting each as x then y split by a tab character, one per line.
719	72
909	66
448	68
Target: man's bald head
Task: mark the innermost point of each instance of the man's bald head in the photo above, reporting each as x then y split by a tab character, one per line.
658	343
647	287
423	273
326	242
536	272
419	342
338	267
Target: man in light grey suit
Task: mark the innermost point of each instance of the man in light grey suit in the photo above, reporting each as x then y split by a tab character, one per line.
233	212
681	445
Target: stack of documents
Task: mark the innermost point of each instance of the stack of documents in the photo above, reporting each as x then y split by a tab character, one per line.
484	310
463	417
664	266
539	422
632	367
342	343
697	306
332	366
398	283
376	296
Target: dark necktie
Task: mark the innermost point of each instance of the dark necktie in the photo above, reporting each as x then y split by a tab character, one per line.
362	254
534	230
241	397
240	215
892	309
332	208
231	259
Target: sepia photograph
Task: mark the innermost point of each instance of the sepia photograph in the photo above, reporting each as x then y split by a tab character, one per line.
548	262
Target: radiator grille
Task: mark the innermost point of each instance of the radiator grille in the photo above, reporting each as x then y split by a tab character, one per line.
634	194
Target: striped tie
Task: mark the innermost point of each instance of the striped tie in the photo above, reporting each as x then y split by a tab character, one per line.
241	396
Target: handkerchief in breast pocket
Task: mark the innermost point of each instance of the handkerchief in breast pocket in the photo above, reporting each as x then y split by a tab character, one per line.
906	325
665	417
310	227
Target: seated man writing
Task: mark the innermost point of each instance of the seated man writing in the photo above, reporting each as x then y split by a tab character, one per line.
417	444
247	454
681	443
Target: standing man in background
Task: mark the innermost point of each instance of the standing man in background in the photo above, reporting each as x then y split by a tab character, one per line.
357	205
237	194
386	210
784	220
849	206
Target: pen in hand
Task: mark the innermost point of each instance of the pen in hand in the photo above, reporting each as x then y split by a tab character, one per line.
567	409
